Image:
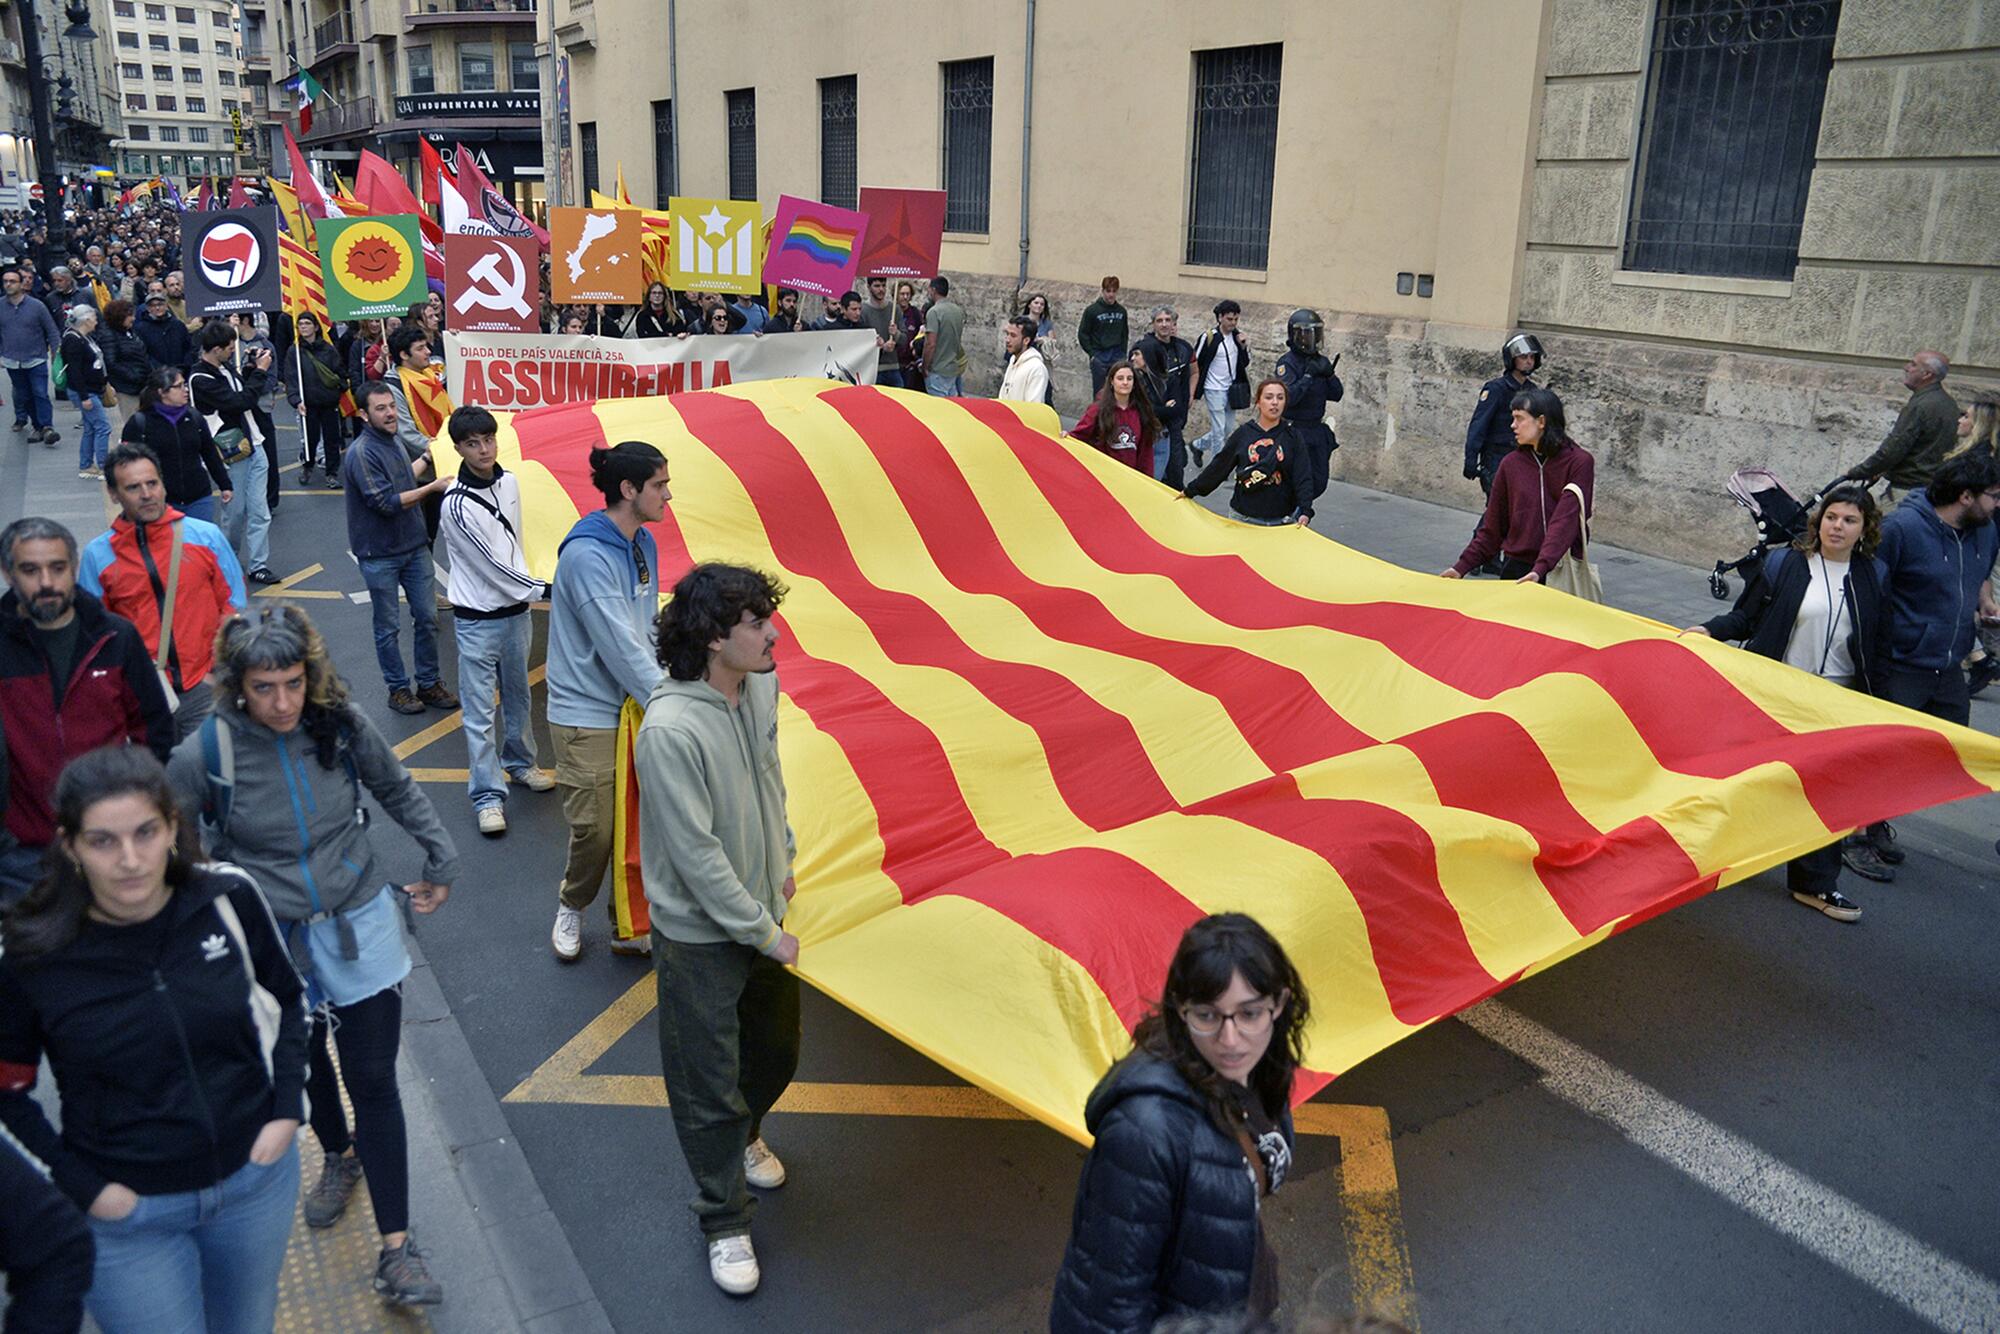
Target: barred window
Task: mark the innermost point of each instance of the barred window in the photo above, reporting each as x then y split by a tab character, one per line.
586	151
968	143
1235	155
1726	146
742	107
837	131
663	152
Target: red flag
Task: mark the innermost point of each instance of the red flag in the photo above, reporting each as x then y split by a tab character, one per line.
382	189
204	198
487	202
239	194
432	173
311	198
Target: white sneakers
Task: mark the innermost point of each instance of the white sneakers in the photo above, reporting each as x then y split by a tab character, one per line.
733	1265
535	780
761	1167
567	937
492	821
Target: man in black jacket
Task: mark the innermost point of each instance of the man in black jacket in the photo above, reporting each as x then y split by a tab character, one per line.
73	677
225	395
165	337
1101	333
1166	357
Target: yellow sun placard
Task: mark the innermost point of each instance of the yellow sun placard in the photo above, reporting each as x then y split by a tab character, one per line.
373	265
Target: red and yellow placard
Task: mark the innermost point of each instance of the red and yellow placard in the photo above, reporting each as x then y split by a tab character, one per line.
1038	717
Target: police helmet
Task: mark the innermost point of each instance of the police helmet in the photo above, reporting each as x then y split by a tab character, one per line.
1303	332
1520	345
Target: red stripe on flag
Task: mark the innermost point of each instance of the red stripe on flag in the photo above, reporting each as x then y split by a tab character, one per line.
1276	709
1094	754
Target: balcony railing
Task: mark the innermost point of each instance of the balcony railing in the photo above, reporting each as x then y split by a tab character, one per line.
342	119
505	9
336	31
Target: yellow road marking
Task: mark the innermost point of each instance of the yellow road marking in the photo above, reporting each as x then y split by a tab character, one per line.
444	727
1378	1259
441	775
316	491
284	588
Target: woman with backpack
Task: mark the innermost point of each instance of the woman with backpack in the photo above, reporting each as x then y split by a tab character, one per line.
191	466
1819	604
1193	1130
1274	478
315	381
85	382
164	1001
277	772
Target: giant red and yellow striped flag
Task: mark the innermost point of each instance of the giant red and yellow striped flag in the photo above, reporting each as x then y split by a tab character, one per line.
1038	718
301	285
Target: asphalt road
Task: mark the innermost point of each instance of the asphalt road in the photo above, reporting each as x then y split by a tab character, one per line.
1860	1057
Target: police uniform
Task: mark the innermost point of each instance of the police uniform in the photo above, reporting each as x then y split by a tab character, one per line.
1489	437
1310	385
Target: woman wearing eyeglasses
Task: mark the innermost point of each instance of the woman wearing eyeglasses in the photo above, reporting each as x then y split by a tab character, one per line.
191	466
1192	1130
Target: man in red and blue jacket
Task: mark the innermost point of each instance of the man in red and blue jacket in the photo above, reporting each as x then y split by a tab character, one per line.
73	677
129	565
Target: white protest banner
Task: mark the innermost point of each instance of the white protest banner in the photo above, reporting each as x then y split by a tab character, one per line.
515	371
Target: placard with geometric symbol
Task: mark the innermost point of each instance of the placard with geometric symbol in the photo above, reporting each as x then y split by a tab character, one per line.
718	246
492	284
373	265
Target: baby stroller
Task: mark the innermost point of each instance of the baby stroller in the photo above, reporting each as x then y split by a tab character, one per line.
1780	518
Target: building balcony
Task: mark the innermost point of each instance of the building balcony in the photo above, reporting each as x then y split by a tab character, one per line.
442	13
341	120
334	38
256	56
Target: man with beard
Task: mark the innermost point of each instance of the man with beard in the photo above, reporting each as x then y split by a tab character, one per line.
1938	549
73	677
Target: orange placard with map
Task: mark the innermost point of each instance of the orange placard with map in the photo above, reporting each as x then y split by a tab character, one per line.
595	255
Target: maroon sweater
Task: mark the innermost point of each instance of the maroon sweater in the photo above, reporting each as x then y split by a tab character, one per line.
1528	516
1128	441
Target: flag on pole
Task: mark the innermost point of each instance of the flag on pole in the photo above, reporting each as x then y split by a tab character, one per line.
291	213
484	203
309	91
382	189
301	285
239	193
430	173
173	194
204	198
312	199
624	195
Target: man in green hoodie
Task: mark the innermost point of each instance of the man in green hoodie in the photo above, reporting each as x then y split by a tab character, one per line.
716	856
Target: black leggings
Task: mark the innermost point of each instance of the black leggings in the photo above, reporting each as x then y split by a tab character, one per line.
322	438
367	1033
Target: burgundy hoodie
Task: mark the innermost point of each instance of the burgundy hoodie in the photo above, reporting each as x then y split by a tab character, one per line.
1525	488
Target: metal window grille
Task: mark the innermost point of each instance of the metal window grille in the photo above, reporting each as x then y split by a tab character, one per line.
1235	155
838	183
1733	102
663	152
586	148
968	144
742	142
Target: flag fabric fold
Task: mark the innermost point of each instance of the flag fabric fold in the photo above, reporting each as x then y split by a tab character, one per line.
1037	718
430	404
486	209
312	199
382	190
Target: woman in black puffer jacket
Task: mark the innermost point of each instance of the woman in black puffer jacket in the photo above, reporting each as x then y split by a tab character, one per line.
1192	1130
126	361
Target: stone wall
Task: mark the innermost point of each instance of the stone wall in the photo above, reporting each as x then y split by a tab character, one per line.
1901	240
1668	423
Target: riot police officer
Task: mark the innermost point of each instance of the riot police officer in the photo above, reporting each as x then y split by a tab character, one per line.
1310	385
1490	437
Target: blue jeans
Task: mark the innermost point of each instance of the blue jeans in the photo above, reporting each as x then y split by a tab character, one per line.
890	379
199	1261
203	509
412	573
944	386
490	650
246	519
1101	363
31	389
1221	421
96	442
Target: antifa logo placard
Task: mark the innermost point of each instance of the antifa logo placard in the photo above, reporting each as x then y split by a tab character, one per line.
236	267
501	216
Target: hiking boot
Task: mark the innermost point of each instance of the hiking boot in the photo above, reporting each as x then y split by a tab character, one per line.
733	1265
51	436
1861	858
761	1167
1833	903
1882	837
492	821
402	1277
567	937
327	1200
437	696
402	701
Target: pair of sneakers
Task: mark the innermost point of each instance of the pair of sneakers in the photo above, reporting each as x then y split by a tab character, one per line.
732	1261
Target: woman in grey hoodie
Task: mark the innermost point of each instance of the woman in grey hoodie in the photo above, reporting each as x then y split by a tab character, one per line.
278	773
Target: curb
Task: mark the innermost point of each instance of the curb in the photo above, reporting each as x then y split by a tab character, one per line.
479	1212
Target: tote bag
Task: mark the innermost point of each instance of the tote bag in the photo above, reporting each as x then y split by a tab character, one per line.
1573	574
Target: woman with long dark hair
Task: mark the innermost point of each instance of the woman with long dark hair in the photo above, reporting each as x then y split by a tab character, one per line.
1818	605
1120	421
1530	520
162	996
286	805
1192	1130
1273	476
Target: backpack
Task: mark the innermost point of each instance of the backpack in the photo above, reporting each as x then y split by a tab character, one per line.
218	760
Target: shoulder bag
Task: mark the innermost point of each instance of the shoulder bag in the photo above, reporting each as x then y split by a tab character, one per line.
1575	574
167	620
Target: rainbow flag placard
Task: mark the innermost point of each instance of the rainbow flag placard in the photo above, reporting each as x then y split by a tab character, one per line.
814	248
1037	718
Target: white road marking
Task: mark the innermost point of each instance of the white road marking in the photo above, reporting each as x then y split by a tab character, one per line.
1932	1285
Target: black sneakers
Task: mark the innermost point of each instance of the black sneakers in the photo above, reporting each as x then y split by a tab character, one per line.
402	1277
1833	903
327	1200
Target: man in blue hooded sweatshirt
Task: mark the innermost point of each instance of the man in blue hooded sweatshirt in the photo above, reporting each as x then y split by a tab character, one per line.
607	594
1938	549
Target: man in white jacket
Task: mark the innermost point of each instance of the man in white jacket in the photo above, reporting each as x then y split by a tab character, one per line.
1027	376
490	589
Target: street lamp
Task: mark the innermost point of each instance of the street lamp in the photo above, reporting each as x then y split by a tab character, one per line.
55	245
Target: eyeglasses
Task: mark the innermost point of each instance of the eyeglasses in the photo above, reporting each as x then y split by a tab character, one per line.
1252	1020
